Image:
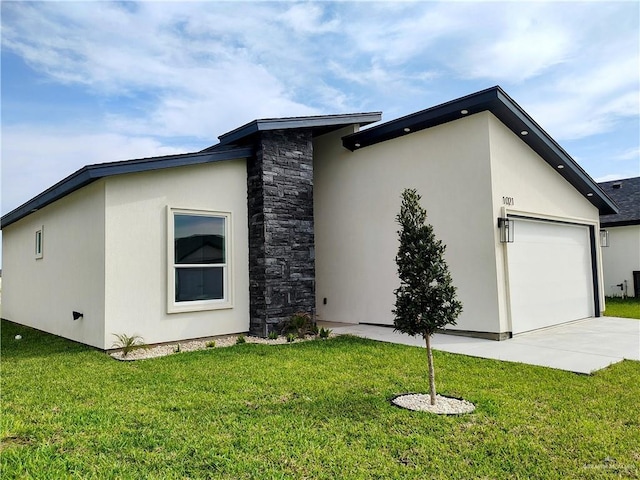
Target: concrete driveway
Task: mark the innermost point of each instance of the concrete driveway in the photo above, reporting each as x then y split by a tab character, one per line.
583	346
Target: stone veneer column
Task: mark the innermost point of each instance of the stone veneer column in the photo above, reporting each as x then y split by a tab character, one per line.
281	238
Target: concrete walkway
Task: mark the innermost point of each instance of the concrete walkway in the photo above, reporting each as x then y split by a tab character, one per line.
583	346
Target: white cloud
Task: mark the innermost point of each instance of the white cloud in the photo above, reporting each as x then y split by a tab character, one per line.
196	60
216	102
628	154
37	160
199	69
308	18
193	59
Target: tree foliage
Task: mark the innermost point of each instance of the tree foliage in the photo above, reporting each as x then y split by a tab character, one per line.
426	299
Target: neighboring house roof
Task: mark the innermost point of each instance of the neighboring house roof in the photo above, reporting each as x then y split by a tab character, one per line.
200	249
626	193
496	101
91	173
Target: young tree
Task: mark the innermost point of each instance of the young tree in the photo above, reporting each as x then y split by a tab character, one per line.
426	299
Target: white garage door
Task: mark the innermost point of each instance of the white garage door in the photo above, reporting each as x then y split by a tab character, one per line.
550	275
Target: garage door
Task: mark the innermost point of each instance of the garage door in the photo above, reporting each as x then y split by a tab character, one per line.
550	275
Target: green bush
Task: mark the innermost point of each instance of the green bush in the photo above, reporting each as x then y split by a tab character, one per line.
324	333
301	324
127	343
273	335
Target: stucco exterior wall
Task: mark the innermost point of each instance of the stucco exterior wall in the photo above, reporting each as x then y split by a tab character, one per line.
357	198
42	293
621	259
137	245
524	184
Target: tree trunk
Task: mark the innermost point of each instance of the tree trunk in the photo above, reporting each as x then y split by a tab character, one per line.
432	375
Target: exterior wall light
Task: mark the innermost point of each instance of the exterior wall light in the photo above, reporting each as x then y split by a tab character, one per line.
77	315
604	238
506	229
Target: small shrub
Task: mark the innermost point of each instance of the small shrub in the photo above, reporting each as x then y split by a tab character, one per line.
211	344
315	330
240	340
300	323
290	337
273	335
324	333
127	343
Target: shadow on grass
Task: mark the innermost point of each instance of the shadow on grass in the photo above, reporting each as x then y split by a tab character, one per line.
34	343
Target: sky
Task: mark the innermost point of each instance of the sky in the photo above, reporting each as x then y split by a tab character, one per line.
90	82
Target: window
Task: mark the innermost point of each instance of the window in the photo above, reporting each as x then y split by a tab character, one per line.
198	260
39	239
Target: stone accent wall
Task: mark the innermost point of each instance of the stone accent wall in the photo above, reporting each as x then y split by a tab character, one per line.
281	238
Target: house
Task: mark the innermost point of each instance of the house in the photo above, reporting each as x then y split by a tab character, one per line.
298	214
621	258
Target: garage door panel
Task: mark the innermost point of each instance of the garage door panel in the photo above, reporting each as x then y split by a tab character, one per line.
550	279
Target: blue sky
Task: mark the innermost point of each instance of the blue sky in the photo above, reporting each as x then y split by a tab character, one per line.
87	82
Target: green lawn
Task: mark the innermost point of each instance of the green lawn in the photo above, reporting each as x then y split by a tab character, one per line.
309	410
619	307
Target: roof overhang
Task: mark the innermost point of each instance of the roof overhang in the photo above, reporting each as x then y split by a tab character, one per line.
623	223
91	173
319	125
496	101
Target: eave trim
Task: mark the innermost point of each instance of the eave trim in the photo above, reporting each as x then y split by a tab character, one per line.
503	107
91	173
320	121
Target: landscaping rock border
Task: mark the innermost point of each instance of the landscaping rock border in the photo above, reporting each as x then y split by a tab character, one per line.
421	402
146	352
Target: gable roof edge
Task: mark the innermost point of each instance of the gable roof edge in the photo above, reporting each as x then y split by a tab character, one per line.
503	107
315	121
90	173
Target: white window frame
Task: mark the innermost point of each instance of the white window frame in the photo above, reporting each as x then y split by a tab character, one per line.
39	243
198	305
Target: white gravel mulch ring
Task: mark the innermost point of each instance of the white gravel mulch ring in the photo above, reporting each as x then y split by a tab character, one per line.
421	402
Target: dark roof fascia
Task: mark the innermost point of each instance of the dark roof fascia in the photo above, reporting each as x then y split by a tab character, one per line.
508	112
91	173
322	123
624	223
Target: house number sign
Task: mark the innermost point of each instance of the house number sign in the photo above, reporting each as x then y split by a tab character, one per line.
508	201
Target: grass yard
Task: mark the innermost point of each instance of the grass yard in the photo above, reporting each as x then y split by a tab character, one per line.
622	307
309	410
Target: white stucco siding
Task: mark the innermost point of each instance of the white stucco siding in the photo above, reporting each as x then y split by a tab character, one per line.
357	198
42	293
524	184
136	250
621	259
520	173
